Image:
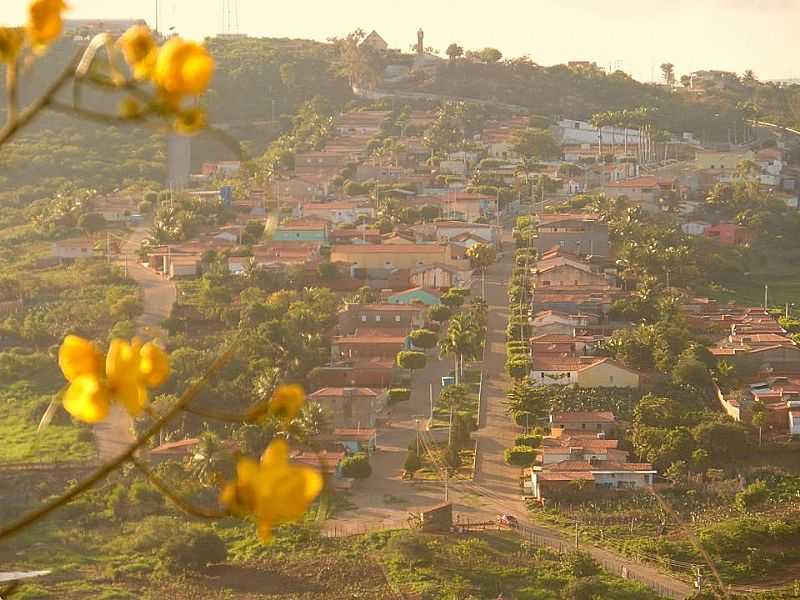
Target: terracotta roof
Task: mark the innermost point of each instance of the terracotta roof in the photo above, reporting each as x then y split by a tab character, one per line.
389	248
596	466
565	476
362	435
548	218
327	460
170	447
584	416
649	181
357	339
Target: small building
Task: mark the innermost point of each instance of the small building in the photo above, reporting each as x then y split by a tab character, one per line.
184	266
350	407
71	249
587	477
578	233
374	40
439	277
352	441
417	295
596	422
729	234
310	229
368	344
395	316
329	463
695	228
584	371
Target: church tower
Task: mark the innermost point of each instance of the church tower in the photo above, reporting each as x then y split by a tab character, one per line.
420	43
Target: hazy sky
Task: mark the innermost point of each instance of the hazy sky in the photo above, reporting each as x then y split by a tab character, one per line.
641	34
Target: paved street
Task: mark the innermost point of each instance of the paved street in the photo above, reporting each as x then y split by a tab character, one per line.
158	295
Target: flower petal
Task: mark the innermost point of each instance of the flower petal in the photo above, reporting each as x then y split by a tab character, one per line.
276	454
77	357
87	399
153	364
122	364
133	397
287	401
44	22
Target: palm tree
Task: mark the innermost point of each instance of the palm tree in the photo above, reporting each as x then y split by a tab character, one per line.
599	120
208	458
459	341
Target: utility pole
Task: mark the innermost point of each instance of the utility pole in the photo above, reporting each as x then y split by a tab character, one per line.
577	535
431	395
766	296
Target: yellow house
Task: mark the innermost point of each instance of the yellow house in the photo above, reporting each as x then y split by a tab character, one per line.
397	256
720	161
607	373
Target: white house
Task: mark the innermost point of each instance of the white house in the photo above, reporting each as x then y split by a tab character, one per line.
549	480
337	212
695	227
73	248
571	131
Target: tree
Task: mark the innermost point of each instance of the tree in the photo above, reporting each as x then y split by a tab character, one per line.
686	81
760	419
440	313
192	549
460	340
423	338
668	72
482	256
452	299
408	359
488	55
454	51
91	223
209	458
677	473
691	372
535	145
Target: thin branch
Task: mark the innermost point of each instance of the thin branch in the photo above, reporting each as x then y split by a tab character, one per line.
104	470
181	503
100	117
12	91
26	116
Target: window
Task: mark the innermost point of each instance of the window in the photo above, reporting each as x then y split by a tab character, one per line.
397	318
363	318
583	425
610	379
377	318
545	283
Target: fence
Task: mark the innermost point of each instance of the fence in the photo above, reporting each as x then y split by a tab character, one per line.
675	589
336	530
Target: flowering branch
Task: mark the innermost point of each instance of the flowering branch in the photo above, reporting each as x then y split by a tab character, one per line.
104	470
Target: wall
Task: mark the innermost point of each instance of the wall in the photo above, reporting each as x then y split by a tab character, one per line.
601	376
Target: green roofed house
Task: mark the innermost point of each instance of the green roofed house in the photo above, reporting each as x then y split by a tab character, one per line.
417	295
308	229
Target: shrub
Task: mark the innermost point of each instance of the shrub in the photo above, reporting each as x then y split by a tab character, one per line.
192	549
753	495
423	338
440	313
528	439
399	395
518	366
356	466
520	456
580	564
412	462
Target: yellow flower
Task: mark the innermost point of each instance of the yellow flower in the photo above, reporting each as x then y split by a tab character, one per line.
183	68
272	491
44	22
189	122
140	50
11	39
154	365
130	368
287	401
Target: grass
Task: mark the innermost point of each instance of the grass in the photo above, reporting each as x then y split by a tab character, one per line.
56	443
429	472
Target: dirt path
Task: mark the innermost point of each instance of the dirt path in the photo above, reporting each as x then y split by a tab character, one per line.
158	295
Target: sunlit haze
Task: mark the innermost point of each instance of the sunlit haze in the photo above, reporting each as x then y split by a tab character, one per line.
732	35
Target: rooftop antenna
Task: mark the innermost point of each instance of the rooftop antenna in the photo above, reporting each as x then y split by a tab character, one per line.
156	16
